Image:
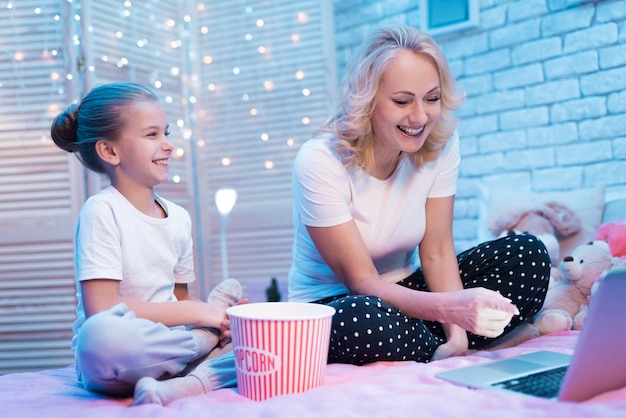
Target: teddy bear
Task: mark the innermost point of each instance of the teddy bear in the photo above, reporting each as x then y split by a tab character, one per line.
566	301
550	222
613	232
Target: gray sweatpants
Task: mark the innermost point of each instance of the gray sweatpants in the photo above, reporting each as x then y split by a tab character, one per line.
114	349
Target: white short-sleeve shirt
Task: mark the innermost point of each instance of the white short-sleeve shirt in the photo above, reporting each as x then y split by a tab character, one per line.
114	240
389	214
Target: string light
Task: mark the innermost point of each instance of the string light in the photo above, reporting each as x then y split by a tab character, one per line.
121	57
303	17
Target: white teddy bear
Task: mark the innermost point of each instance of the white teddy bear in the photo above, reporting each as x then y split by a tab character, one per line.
566	301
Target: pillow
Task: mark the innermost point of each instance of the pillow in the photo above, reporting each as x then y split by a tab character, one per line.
614	210
588	204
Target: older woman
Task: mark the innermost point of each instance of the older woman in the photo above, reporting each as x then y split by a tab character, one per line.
374	196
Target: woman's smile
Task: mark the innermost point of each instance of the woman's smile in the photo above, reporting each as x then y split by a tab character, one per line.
411	131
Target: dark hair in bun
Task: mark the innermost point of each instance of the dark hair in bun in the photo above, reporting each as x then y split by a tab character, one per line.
99	116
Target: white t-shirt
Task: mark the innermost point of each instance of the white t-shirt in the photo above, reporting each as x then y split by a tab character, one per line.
148	255
390	214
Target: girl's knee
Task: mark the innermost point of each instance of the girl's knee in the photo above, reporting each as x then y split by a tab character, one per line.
106	343
104	334
114	349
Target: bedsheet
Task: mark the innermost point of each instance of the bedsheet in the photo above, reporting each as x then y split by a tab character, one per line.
381	389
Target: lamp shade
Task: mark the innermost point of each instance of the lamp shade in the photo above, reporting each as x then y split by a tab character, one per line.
225	199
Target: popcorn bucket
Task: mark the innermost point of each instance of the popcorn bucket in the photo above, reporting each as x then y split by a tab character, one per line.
279	347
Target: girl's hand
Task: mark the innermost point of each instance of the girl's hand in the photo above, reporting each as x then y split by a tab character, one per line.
479	311
225	332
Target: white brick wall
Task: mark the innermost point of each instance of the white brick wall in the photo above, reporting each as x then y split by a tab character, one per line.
546	93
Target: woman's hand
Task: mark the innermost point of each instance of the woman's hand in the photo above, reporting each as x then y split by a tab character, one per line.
479	311
456	343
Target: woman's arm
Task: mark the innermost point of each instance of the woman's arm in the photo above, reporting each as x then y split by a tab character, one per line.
437	253
344	251
440	267
489	311
101	294
480	311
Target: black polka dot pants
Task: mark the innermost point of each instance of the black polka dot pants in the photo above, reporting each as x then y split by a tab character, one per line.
365	329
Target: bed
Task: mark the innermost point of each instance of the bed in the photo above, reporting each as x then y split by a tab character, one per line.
380	389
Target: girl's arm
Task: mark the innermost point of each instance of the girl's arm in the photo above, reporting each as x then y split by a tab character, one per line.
181	291
101	294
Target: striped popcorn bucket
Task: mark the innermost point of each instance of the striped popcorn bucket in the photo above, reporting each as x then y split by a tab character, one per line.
280	347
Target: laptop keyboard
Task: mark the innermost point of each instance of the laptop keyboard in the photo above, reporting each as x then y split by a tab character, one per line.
544	384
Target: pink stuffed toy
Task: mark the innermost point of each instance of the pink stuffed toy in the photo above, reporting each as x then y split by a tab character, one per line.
551	217
614	233
550	222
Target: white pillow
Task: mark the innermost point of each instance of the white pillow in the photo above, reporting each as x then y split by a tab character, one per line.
614	210
588	204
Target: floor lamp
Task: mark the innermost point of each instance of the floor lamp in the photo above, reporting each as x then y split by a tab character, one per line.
225	199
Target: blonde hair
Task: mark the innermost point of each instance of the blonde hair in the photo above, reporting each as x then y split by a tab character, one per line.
351	122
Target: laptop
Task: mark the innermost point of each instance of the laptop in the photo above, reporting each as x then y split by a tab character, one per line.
598	364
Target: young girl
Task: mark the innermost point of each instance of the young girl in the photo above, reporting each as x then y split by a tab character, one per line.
138	328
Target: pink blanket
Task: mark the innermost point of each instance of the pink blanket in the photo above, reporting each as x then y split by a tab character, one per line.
380	389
